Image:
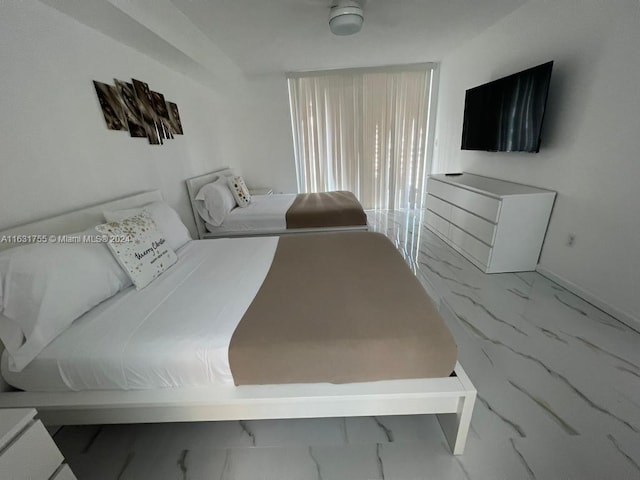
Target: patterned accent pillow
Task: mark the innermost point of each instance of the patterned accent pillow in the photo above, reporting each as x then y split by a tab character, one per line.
140	249
166	218
240	191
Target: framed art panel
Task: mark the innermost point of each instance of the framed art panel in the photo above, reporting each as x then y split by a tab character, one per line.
145	105
111	104
131	111
174	118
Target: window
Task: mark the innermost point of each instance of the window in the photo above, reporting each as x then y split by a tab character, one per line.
363	130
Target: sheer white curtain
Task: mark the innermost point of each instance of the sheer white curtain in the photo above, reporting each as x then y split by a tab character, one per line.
364	131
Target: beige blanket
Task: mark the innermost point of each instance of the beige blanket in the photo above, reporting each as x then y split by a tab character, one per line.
326	209
340	308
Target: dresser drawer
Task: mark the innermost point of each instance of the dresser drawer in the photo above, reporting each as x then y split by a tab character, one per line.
437	224
470	245
483	206
476	226
32	456
438	206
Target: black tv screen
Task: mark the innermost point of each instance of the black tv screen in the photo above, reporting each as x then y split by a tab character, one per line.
506	115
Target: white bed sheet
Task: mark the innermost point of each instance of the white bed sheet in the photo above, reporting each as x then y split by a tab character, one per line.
265	213
176	332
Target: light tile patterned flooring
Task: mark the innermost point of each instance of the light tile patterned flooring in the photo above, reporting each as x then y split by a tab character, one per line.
558	398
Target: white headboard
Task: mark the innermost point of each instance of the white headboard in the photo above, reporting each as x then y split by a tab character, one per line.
77	220
194	185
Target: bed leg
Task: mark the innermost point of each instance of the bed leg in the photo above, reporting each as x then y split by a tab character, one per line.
456	425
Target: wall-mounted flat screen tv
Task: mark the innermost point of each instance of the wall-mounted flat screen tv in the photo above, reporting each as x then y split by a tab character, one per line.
506	115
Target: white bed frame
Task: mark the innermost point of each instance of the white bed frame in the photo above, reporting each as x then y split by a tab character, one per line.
451	399
196	183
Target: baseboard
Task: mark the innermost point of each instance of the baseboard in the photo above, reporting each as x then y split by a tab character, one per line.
624	317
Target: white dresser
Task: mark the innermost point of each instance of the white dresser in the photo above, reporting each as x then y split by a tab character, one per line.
27	452
498	225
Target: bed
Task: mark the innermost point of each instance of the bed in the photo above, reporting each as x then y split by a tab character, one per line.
450	397
280	214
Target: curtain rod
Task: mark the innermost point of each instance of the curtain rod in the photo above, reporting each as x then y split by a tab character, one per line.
382	68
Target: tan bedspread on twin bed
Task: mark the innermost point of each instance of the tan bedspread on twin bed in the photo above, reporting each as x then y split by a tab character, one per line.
340	308
325	209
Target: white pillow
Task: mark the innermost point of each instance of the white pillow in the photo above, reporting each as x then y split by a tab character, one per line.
139	247
214	201
239	191
45	287
166	218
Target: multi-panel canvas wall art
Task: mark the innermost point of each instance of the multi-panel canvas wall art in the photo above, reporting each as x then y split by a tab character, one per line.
134	107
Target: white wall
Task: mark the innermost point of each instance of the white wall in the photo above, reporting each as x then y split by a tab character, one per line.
265	153
56	153
591	137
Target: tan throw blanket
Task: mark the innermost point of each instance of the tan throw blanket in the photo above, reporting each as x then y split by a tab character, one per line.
340	308
326	209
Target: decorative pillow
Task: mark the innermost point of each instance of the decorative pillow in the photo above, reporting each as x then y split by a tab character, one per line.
45	287
166	218
140	249
214	201
240	191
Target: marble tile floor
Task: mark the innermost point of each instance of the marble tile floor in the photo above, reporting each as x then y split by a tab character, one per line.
558	398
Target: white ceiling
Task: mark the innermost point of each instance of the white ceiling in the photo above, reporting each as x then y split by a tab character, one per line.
264	36
219	42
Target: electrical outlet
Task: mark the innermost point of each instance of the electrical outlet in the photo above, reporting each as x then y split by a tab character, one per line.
571	239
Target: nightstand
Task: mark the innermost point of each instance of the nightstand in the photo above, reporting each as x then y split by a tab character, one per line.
26	449
261	191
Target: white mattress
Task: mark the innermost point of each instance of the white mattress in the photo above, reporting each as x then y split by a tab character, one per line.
175	332
265	214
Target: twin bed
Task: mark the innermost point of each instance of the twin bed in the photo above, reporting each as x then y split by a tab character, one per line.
251	328
280	214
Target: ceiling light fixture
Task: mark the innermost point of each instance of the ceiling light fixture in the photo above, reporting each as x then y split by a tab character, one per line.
346	17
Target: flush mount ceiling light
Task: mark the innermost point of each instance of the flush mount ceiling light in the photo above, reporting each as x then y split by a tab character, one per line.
346	17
